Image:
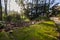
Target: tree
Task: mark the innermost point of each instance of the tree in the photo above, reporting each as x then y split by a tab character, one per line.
22	6
9	5
5	1
36	9
0	11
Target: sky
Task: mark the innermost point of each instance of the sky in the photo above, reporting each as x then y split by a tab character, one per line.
14	6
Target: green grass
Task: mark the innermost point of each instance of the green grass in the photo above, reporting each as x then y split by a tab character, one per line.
4	36
40	31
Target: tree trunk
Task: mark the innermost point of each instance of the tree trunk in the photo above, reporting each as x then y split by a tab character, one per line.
0	11
36	7
5	7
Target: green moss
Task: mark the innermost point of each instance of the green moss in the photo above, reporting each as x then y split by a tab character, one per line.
40	31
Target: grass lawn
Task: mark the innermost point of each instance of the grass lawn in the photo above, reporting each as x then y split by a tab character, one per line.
40	31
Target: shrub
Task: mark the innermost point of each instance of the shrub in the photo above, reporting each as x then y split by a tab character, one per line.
12	17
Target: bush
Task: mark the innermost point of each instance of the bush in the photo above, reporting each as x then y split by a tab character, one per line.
11	17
